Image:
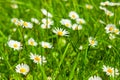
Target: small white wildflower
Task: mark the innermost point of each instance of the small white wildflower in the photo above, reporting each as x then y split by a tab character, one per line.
66	22
37	58
32	42
73	15
22	68
45	44
110	71
95	78
92	41
14	44
47	21
116	31
76	27
103	8
14	20
80	21
60	32
36	21
27	25
109	13
106	3
46	13
45	26
110	28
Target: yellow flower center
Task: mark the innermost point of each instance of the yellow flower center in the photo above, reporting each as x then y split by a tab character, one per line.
18	23
116	31
45	46
92	42
22	70
15	45
73	16
67	24
111	28
37	58
80	22
60	33
25	24
47	22
76	28
88	6
110	70
31	43
14	20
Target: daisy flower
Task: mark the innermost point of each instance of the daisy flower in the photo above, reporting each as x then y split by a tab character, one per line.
88	6
45	26
106	3
60	32
80	21
37	58
22	68
34	20
47	21
66	22
76	27
95	78
27	25
46	13
110	28
92	41
103	8
109	13
14	44
14	20
19	22
116	31
73	15
32	42
45	44
110	71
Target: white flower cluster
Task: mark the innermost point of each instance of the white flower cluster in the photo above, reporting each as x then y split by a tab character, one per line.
46	22
22	23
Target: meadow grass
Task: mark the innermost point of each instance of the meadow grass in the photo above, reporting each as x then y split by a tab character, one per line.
65	61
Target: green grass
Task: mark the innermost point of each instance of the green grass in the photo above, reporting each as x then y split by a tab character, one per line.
65	61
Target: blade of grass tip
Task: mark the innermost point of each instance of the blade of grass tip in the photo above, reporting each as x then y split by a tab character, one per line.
1	33
56	72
